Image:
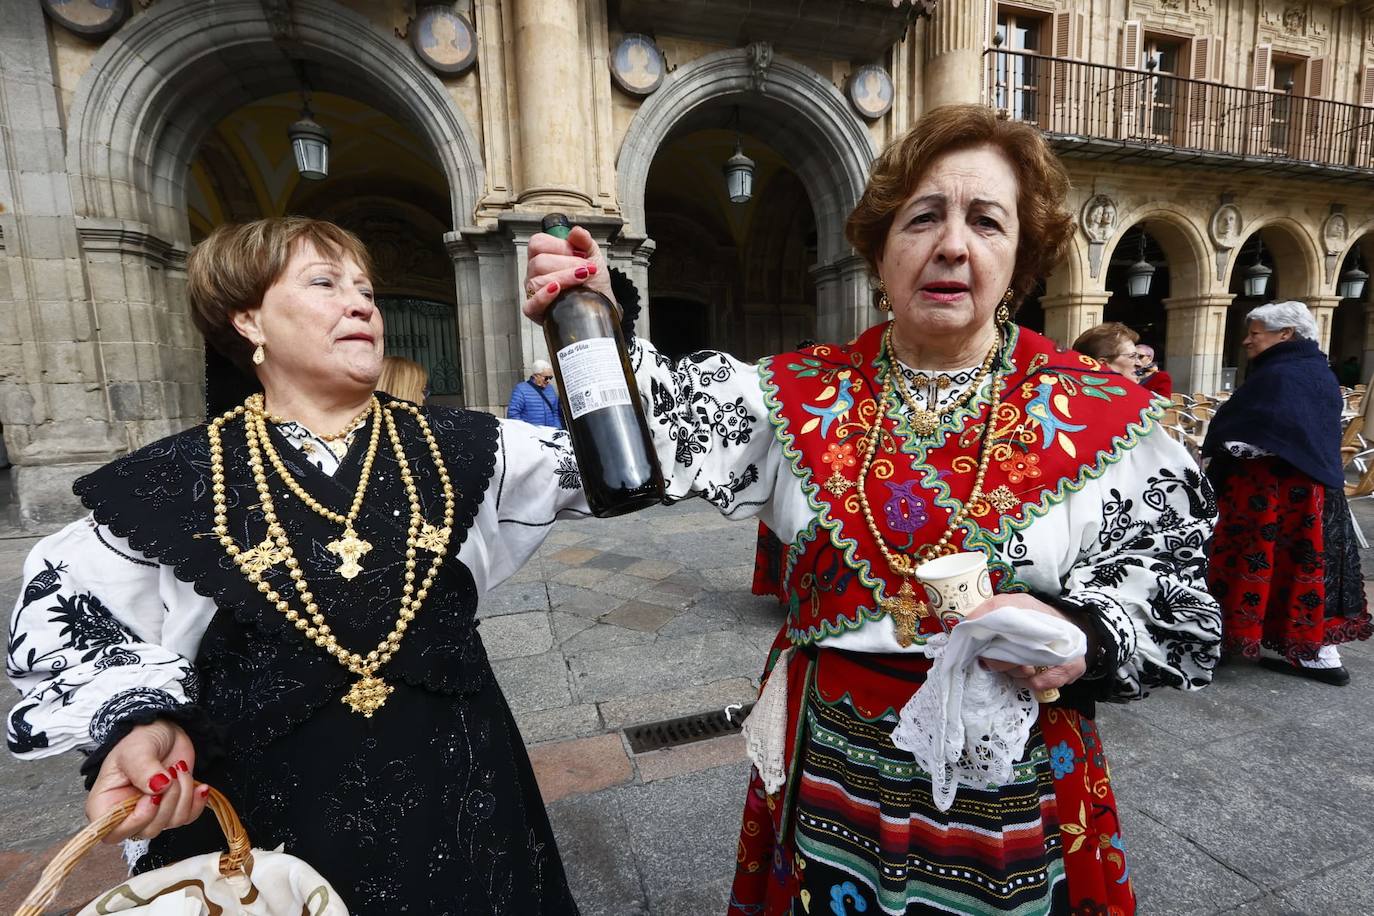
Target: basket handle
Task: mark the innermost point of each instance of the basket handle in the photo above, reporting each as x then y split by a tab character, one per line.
64	863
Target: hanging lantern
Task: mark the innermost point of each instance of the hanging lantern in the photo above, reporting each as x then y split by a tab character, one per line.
1257	279
1139	274
739	175
310	144
1351	284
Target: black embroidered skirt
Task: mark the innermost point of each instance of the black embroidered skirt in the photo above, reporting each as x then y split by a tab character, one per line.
429	807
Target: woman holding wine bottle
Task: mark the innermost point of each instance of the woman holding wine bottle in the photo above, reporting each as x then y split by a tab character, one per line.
947	428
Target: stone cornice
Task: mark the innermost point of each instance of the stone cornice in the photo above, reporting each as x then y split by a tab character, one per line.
126	237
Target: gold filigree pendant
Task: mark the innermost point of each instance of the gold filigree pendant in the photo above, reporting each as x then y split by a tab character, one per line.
339	447
838	483
1002	499
261	558
906	613
924	422
349	549
367	695
433	539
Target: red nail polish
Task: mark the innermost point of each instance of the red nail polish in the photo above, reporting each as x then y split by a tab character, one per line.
551	288
591	269
172	772
157	799
203	790
582	273
181	765
578	252
158	783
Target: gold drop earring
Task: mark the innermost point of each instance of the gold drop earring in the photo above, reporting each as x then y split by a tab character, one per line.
1003	316
884	303
260	355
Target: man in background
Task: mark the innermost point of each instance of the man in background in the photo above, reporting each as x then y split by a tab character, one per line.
534	399
1151	377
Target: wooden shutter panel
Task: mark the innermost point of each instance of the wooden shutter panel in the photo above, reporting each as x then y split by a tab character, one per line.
1201	67
1367	86
1130	49
1261	67
1318	77
1061	48
1080	36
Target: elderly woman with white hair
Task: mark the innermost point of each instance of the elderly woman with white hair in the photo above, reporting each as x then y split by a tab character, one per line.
1284	565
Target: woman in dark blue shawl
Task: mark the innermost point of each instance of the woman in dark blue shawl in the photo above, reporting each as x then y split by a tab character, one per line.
1284	565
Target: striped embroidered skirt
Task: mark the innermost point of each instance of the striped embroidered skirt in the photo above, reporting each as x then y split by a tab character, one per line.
855	829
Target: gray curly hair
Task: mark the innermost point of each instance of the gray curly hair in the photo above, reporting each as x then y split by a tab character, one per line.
1276	316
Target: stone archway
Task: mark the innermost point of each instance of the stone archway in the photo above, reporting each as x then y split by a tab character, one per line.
797	110
1295	259
158	85
151	95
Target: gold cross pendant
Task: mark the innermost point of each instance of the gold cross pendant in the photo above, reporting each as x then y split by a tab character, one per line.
433	539
348	549
906	612
367	695
261	558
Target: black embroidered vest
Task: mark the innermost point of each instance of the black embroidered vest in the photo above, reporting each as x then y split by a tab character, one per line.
259	676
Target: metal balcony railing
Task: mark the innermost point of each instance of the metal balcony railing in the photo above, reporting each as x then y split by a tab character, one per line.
1141	111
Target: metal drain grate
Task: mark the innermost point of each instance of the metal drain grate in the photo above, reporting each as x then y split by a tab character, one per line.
674	732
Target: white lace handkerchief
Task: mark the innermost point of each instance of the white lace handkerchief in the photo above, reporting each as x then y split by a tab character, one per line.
765	731
967	725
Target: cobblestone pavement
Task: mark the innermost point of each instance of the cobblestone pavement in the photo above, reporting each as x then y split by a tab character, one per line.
1252	797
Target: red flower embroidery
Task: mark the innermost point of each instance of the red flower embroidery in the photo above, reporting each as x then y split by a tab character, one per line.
1018	469
838	455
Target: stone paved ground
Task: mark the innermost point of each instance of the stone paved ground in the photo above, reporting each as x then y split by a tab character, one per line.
1252	797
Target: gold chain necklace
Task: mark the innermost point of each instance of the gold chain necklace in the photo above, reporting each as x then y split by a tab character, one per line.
904	608
349	548
368	694
335	442
925	421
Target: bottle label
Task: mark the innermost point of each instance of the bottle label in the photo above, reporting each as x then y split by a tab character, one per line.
592	376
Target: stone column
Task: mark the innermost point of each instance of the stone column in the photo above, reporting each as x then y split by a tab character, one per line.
54	401
1367	362
1193	346
549	86
844	300
489	320
954	53
631	254
1071	314
1323	309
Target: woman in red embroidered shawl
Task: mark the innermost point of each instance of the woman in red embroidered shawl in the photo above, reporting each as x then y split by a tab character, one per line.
947	428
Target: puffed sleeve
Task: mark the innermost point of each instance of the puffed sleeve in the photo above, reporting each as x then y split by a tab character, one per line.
1142	531
535	483
710	427
100	635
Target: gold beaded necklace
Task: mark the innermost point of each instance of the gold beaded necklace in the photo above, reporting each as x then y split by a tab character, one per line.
368	694
349	548
904	608
925	421
336	442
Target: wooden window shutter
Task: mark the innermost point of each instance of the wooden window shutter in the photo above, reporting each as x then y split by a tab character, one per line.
1202	67
1080	36
1132	42
1318	73
1367	86
1061	48
1261	67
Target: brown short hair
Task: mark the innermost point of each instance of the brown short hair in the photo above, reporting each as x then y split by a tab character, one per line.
1104	341
232	269
1042	186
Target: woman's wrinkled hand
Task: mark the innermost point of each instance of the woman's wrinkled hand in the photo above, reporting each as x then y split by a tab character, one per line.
1052	676
557	264
154	762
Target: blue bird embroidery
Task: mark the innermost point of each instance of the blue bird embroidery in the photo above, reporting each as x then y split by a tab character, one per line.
1040	410
839	410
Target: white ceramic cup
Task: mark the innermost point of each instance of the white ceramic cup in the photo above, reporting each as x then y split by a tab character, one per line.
958	583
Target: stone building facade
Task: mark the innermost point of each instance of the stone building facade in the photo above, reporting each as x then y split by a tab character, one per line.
1202	136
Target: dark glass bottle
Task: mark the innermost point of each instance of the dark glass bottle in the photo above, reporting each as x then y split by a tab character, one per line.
601	406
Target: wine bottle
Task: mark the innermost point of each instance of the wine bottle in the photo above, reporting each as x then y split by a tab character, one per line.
601	406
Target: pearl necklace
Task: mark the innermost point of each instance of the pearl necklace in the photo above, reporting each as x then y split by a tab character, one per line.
904	608
349	548
368	694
